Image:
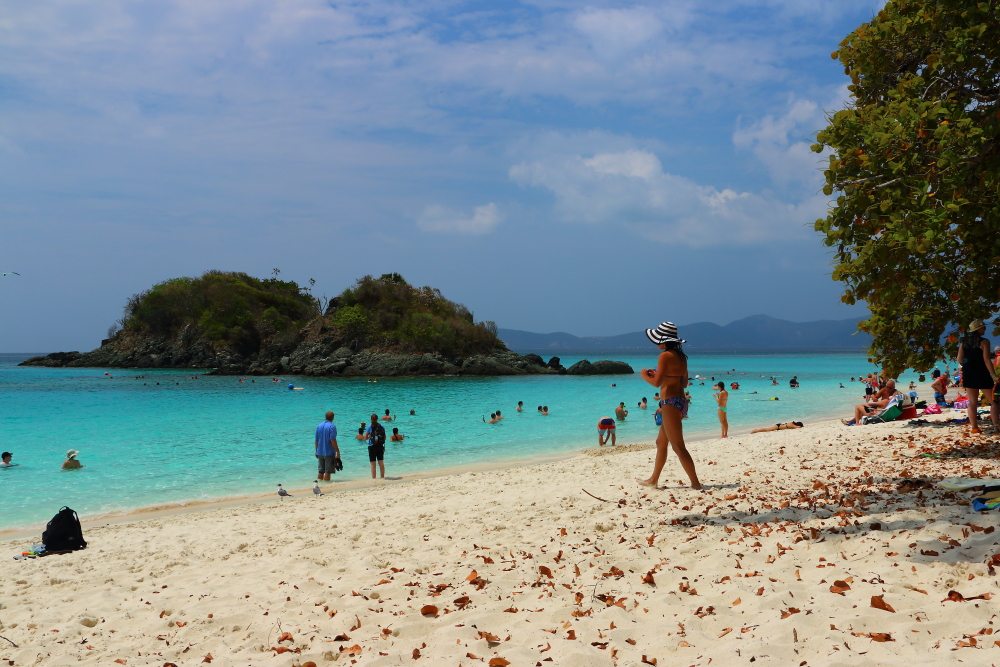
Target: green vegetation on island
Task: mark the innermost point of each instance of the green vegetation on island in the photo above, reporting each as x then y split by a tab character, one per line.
914	158
389	313
229	308
236	324
236	311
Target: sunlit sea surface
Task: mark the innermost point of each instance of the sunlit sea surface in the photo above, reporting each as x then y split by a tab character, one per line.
168	438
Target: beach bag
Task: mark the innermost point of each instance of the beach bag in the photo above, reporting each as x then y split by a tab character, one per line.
378	435
63	532
933	409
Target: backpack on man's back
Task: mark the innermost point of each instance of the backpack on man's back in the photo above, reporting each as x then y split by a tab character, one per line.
63	532
378	435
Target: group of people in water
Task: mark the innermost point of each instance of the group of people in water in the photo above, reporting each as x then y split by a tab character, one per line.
71	462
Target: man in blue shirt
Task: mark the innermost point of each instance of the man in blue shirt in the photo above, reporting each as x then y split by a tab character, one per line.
326	447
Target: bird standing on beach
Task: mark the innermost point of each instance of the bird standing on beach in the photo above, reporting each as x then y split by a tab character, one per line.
282	493
316	489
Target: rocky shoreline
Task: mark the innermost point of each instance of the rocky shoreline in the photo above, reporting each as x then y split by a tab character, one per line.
314	358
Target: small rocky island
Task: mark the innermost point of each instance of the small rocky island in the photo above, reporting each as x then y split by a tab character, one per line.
236	324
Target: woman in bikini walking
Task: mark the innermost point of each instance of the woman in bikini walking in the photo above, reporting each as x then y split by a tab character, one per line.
670	377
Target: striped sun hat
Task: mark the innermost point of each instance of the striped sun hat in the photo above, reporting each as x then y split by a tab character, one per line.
665	333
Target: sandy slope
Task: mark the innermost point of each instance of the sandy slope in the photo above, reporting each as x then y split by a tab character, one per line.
525	567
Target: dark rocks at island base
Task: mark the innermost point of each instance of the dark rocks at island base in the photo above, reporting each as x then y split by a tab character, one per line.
534	359
54	360
556	366
327	356
600	367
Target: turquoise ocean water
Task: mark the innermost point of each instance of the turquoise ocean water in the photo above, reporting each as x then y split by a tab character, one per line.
167	438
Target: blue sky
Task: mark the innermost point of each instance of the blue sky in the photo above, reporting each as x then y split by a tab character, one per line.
591	168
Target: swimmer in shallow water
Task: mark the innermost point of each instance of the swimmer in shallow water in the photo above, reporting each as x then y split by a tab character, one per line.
396	436
520	406
545	410
71	463
5	460
361	433
493	419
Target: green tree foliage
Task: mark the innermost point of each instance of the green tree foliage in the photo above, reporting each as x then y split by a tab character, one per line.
914	160
389	312
231	308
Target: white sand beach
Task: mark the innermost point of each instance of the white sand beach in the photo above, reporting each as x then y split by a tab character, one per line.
800	551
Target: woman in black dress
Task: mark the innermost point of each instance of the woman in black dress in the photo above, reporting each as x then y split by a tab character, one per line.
978	373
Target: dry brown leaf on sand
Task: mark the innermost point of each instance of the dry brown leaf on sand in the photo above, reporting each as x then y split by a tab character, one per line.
462	602
648	661
285	637
955	596
648	578
490	638
472	576
840	587
544	571
416	653
875	636
429	610
498	662
878	602
725	632
207	658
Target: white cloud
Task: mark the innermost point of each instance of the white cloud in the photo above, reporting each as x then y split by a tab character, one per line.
630	189
781	143
437	218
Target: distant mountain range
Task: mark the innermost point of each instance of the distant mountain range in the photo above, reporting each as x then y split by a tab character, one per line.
757	333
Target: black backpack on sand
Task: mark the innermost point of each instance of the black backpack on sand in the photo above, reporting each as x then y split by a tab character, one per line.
63	532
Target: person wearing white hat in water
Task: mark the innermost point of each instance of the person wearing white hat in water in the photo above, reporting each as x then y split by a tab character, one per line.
670	377
71	463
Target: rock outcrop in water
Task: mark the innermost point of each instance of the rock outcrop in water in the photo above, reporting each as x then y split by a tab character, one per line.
239	325
599	367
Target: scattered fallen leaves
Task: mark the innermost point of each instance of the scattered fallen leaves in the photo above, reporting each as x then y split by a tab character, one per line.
429	610
285	637
207	658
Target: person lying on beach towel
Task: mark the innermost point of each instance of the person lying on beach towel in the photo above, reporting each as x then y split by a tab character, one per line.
779	427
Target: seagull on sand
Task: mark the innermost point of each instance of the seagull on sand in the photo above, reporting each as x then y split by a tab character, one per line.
282	493
11	273
317	490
